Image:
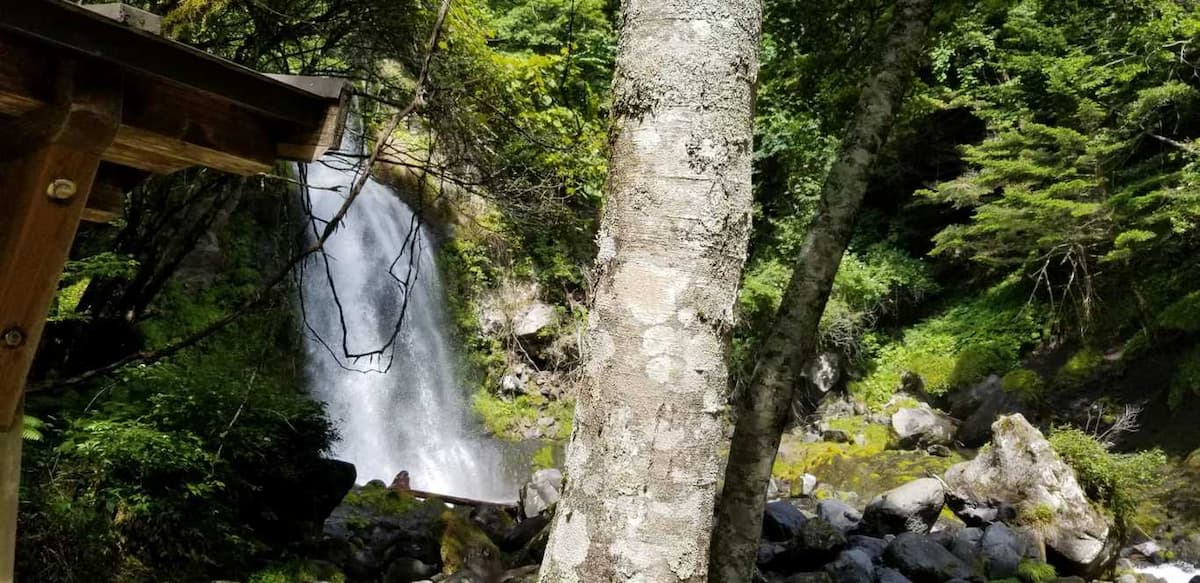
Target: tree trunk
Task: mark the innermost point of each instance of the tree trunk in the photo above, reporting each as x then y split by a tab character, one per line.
645	455
763	412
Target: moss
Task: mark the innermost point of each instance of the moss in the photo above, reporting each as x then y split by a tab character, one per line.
1081	367
1036	572
1037	515
463	544
298	572
381	499
543	458
1025	384
975	361
1185	383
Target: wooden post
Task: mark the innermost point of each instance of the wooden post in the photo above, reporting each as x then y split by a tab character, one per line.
42	197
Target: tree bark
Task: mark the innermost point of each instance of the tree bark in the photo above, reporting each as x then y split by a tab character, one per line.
645	455
764	410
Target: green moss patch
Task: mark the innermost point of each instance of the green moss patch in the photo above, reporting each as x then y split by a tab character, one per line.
506	418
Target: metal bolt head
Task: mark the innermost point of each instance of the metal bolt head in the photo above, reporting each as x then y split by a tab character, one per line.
13	337
61	189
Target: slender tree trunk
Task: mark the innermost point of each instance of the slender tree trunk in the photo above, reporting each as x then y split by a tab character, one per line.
764	410
645	455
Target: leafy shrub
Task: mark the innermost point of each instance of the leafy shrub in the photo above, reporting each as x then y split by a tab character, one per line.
1182	315
1081	367
1117	481
1036	572
1025	384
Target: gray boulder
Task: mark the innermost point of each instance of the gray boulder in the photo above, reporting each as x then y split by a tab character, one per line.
871	546
978	407
817	543
781	521
890	575
1021	470
852	566
1003	548
841	515
537	317
965	544
925	561
809	577
923	426
541	492
913	507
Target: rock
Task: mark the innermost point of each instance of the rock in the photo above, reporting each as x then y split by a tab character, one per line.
890	575
839	514
869	545
824	371
813	577
1127	578
1147	549
494	521
987	401
817	543
913	507
542	492
546	422
808	485
924	561
524	532
1003	548
781	521
965	544
511	385
1021	470
965	401
537	317
923	426
1195	579
851	566
405	570
835	436
770	555
939	450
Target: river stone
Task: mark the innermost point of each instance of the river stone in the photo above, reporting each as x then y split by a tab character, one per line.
890	575
808	485
871	546
924	561
852	566
781	521
1003	548
913	507
965	544
542	492
405	570
812	577
841	515
817	543
923	426
1021	470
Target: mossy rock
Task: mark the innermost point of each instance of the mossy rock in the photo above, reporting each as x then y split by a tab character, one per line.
1080	368
1183	315
465	546
379	499
1025	384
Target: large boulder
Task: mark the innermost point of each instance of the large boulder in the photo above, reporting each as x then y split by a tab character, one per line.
1004	549
841	515
925	561
816	544
978	407
913	507
1022	471
542	492
781	521
533	319
923	426
852	566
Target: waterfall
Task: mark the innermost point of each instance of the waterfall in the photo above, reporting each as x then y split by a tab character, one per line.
399	405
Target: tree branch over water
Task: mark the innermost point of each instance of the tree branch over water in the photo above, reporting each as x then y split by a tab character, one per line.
331	226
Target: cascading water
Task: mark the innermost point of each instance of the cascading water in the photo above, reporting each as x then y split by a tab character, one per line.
399	406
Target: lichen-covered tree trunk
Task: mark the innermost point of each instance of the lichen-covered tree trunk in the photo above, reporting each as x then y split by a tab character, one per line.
645	456
764	409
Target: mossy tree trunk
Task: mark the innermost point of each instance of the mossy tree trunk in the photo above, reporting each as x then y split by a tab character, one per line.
645	455
764	410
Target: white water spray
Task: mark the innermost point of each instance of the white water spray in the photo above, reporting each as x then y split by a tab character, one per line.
402	409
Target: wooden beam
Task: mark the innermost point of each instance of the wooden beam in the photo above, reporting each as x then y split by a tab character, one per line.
44	197
10	486
105	204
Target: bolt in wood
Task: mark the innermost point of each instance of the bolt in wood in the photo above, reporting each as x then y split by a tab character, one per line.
61	189
13	337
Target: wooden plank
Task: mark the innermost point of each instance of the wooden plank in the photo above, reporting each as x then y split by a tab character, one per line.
45	194
10	483
105	204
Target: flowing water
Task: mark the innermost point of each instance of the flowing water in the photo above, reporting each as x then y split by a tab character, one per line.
1170	572
392	390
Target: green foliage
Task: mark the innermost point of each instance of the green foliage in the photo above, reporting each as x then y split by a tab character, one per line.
1027	385
1031	571
1182	315
507	417
1082	366
297	572
979	336
1185	384
1117	481
380	499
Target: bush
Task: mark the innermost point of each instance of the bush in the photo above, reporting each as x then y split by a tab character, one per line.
1182	315
1036	572
1025	384
1116	481
1080	368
